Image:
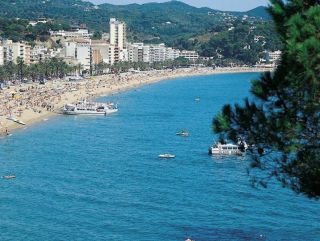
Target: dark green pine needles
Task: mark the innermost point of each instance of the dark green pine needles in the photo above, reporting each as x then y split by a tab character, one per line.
282	120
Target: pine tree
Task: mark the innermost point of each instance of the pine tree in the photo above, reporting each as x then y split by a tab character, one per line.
283	118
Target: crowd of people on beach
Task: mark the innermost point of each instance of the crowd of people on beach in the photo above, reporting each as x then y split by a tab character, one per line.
32	101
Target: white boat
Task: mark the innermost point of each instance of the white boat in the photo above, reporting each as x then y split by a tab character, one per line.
89	108
228	149
183	133
9	177
167	156
14	119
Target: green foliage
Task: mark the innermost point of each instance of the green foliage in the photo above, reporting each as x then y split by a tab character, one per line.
173	23
52	68
19	30
97	35
284	118
236	45
168	21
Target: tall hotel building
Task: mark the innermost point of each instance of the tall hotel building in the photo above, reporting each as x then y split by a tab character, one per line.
118	33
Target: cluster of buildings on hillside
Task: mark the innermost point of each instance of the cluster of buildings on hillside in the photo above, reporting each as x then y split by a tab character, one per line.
11	51
78	48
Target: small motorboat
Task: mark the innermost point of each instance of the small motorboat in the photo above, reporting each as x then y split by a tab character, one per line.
197	99
183	133
166	156
9	177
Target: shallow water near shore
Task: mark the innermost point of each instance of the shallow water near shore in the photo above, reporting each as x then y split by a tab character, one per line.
99	178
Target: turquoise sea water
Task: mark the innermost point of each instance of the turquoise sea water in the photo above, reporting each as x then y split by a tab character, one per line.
99	178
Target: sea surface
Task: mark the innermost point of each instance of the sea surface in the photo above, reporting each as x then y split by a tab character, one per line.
100	178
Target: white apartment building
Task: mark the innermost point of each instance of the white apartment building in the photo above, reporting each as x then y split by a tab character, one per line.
12	51
157	53
190	55
80	33
41	52
83	55
1	55
146	54
273	57
7	53
135	52
78	51
100	51
118	33
172	54
70	49
113	54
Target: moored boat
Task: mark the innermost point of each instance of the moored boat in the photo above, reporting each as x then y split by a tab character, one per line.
89	108
228	149
183	133
167	156
9	177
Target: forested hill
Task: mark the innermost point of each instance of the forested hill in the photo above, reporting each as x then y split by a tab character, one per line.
258	12
162	20
211	32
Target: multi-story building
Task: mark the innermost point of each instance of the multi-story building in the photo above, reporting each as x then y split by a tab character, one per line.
118	41
172	54
1	54
7	52
135	52
157	52
13	51
100	51
190	55
40	53
70	49
118	33
83	55
146	54
78	51
114	54
81	33
273	57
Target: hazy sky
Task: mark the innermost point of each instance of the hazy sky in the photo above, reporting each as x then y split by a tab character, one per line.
231	5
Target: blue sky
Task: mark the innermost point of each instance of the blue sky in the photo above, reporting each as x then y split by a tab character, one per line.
231	5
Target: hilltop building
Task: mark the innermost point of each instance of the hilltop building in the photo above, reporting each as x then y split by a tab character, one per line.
78	32
41	53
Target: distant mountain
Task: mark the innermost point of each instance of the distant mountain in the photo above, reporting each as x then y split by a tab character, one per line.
162	22
174	23
259	12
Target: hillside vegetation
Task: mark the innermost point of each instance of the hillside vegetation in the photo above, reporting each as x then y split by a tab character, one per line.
174	23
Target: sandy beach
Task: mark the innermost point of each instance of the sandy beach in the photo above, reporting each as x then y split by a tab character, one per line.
31	103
